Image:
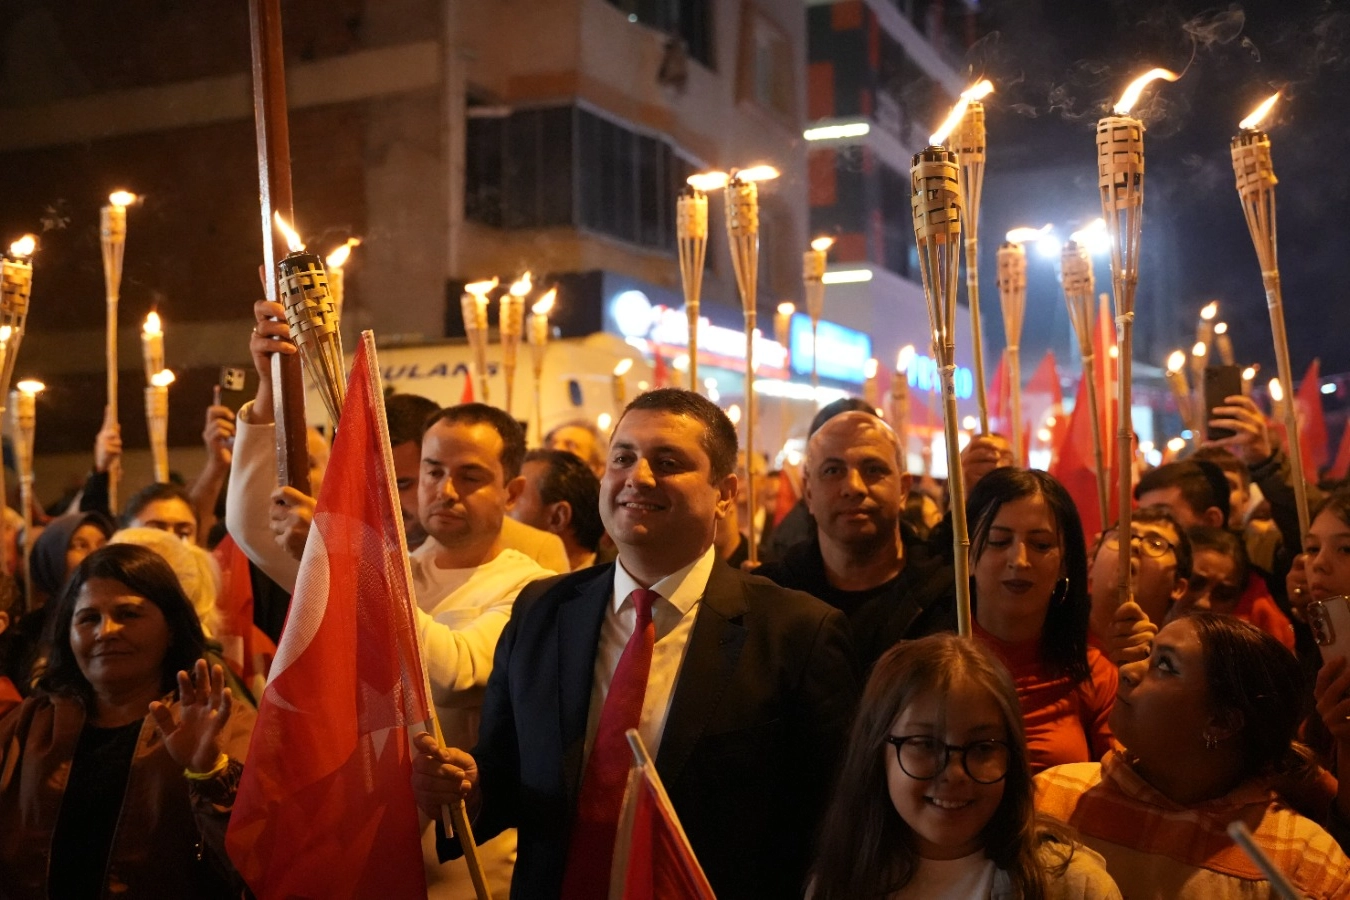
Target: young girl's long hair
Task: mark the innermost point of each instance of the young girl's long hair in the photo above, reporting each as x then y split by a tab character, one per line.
866	850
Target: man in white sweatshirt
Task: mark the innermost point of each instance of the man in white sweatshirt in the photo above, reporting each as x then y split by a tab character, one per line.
465	578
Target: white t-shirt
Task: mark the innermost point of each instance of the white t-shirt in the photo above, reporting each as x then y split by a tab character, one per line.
968	878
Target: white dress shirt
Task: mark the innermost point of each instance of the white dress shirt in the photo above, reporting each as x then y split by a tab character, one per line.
681	593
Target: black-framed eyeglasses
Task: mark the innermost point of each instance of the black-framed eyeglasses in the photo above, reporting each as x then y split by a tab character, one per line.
1153	545
923	757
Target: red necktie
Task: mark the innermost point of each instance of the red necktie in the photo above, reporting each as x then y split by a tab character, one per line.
602	786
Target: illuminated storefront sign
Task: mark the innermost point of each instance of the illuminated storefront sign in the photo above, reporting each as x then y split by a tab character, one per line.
843	352
923	376
635	317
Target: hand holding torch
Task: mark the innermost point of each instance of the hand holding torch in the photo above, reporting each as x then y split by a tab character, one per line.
1256	188
1120	178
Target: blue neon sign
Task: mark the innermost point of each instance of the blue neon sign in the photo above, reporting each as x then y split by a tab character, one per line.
843	352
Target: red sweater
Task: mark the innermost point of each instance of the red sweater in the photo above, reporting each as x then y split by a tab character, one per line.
1065	722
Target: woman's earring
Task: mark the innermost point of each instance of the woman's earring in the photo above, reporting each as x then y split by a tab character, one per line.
1211	742
1061	593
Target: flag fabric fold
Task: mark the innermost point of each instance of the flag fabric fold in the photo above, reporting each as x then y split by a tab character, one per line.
1312	423
652	856
325	807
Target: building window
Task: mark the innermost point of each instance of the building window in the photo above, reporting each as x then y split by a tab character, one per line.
897	222
767	73
518	168
688	20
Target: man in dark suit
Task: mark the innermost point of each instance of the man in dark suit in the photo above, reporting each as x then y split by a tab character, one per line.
747	691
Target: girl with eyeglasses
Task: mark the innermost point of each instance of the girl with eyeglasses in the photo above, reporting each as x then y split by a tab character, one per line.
1028	559
934	797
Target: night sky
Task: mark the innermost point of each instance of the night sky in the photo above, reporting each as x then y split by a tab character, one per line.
1060	64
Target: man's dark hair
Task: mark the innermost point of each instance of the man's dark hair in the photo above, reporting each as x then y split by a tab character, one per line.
719	435
1202	484
408	415
1161	515
1225	460
512	435
1221	540
842	405
568	478
153	493
143	572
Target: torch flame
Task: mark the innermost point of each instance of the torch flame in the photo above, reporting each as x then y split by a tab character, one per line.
23	247
1176	361
1210	310
121	198
545	304
1022	235
977	91
622	366
822	243
162	378
871	367
292	239
152	324
1221	328
1176	445
480	289
603	421
734	413
1276	390
1249	373
522	286
338	258
29	386
1199	350
1253	121
1089	231
756	173
786	308
1131	95
708	181
6	332
904	358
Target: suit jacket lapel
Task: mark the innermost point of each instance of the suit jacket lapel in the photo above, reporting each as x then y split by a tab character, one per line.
579	621
709	661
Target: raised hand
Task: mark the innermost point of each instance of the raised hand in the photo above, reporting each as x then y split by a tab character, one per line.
1251	441
292	514
1131	634
218	435
107	444
204	703
270	335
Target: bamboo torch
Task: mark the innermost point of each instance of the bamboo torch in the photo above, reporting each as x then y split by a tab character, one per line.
473	305
113	236
1012	295
967	118
742	202
1248	379
16	287
1120	177
1181	388
510	322
23	403
1256	188
152	346
1199	354
900	401
302	283
337	278
936	199
1224	344
691	233
538	338
1278	409
157	422
1204	328
871	386
782	333
1079	286
813	276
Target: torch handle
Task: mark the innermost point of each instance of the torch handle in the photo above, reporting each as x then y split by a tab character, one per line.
692	313
1015	398
1124	457
110	349
976	333
957	490
750	410
1275	303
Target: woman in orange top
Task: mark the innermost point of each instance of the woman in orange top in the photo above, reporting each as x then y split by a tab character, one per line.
1031	607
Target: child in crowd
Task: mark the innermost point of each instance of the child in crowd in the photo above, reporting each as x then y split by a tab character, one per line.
934	797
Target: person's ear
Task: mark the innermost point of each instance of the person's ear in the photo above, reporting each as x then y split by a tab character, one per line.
514	488
1179	588
1224	725
559	517
906	482
727	489
1214	518
4	622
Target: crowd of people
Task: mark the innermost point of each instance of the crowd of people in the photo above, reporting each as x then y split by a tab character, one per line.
821	729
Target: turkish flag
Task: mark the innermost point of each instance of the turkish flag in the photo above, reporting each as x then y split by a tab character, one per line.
325	806
652	856
1074	461
1312	424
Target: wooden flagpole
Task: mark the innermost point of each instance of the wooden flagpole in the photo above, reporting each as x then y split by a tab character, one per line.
274	194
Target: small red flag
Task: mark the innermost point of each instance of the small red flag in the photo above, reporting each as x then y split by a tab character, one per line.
1341	467
325	807
466	395
1312	424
